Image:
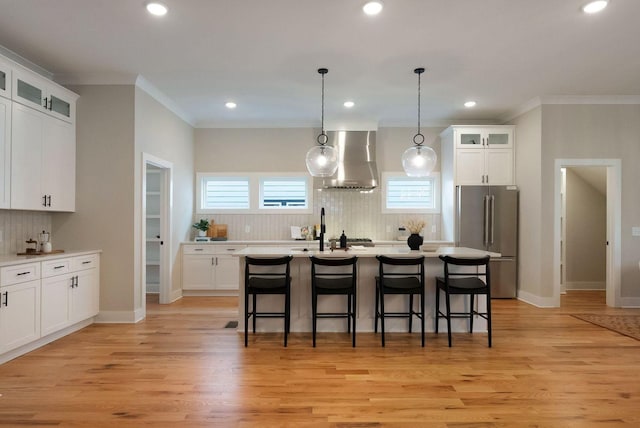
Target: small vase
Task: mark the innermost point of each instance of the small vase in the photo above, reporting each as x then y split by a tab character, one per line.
202	233
414	241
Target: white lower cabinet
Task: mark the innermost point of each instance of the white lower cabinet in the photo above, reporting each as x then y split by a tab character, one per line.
70	290
210	267
19	314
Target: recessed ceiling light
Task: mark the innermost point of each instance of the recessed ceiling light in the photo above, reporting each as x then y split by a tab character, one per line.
349	104
156	8
470	104
230	105
372	7
595	6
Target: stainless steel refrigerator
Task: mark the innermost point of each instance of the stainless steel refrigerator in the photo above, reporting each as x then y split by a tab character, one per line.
487	219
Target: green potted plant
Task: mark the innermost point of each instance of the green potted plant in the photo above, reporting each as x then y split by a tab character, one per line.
202	226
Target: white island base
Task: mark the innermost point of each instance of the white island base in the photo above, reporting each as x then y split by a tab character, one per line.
367	271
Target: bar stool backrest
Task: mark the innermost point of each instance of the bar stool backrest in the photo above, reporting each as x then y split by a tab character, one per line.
394	267
467	261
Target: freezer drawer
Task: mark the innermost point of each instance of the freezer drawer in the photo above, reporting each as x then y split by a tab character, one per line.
504	277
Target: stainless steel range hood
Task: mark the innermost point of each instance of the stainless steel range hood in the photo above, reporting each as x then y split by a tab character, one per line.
356	161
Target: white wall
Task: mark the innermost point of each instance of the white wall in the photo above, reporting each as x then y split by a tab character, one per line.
592	131
160	133
586	219
284	150
528	150
104	192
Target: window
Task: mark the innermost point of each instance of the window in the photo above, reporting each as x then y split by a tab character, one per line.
404	194
222	193
253	192
284	193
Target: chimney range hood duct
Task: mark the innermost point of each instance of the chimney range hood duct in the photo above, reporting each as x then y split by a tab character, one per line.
356	161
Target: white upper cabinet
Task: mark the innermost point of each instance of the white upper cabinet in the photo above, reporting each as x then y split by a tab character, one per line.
5	79
37	141
43	95
5	153
481	155
43	162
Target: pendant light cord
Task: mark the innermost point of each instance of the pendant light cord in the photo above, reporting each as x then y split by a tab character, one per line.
418	139
322	138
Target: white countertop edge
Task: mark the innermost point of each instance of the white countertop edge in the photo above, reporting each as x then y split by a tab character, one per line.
300	243
10	260
364	252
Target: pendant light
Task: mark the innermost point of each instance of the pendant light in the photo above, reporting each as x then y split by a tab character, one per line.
322	160
419	160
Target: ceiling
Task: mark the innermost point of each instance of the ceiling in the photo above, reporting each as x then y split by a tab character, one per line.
264	55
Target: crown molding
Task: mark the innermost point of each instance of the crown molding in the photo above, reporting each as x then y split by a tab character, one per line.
163	99
96	78
571	100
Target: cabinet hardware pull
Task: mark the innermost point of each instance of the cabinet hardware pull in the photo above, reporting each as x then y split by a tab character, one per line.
23	273
86	263
6	298
49	200
58	267
44	102
51	103
197	249
212	262
44	200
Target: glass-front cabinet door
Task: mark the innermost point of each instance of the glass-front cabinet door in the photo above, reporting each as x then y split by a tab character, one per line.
5	79
40	94
499	138
483	137
470	138
60	104
29	90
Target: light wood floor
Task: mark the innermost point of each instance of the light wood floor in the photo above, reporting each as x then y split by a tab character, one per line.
182	368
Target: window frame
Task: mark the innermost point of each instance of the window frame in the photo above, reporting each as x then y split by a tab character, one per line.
435	179
255	180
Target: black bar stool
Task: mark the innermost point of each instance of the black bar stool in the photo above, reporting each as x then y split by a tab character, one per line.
327	278
465	283
267	276
400	275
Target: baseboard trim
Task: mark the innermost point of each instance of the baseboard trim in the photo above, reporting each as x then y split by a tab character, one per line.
117	317
537	301
585	285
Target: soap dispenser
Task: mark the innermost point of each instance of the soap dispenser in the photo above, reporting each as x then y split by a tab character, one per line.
343	240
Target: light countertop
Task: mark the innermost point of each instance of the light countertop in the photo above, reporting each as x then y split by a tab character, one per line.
12	259
275	251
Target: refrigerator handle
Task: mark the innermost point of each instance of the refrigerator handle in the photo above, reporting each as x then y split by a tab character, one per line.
493	207
486	220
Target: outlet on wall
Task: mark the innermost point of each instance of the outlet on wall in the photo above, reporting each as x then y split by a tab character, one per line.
247	228
635	231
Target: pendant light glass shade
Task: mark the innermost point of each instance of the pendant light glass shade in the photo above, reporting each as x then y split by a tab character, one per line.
419	160
322	160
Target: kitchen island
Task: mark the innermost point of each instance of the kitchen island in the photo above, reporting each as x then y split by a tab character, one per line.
367	271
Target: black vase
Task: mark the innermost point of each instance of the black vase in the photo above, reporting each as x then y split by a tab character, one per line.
414	241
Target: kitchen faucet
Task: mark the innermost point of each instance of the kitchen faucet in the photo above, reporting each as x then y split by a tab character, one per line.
322	229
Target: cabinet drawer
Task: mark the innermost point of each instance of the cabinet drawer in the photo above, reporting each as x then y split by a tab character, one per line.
84	262
56	267
227	249
198	249
19	273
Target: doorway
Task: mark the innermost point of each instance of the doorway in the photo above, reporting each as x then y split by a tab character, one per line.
583	232
156	229
610	174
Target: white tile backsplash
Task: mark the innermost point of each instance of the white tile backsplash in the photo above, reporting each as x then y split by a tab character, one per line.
358	214
18	226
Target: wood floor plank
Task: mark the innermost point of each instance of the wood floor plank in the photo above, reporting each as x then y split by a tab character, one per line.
182	367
